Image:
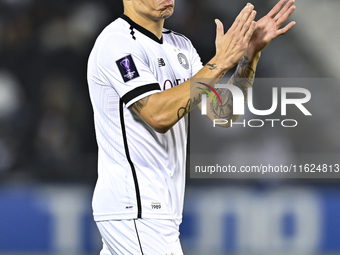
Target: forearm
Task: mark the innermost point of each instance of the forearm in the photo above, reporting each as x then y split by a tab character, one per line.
245	73
243	78
163	110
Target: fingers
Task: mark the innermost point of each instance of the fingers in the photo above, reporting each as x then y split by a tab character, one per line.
219	29
285	15
276	8
250	31
248	22
284	10
286	28
243	15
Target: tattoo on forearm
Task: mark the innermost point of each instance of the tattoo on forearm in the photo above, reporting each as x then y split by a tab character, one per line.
249	72
242	78
195	101
184	110
139	105
191	104
223	111
213	66
245	73
222	75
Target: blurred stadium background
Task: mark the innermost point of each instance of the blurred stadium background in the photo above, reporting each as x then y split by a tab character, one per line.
48	149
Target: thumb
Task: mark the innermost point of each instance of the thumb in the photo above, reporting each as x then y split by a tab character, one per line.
219	28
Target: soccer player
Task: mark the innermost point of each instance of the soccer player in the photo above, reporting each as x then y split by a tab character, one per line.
139	81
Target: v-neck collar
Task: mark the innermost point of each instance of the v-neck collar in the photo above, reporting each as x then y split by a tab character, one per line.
142	29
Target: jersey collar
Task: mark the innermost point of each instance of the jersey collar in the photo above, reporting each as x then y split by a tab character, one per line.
142	29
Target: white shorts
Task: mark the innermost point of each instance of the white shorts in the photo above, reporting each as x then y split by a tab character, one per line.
140	236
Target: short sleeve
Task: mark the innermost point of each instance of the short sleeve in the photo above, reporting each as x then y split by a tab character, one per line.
123	63
196	63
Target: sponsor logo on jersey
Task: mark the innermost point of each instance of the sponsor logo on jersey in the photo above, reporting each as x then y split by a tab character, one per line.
127	68
161	62
168	84
183	61
156	205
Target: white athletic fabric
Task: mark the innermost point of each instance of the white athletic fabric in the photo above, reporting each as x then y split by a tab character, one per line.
141	173
140	236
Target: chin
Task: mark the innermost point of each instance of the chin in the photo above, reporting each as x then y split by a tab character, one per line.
167	12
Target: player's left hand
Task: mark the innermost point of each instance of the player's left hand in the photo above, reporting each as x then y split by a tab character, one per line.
268	27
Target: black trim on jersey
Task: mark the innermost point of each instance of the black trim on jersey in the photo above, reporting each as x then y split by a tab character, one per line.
132	33
167	32
141	29
127	153
139	91
170	31
140	246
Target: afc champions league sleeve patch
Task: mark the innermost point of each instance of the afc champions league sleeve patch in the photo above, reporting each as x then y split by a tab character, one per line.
127	68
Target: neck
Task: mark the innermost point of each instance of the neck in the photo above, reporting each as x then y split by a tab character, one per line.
154	26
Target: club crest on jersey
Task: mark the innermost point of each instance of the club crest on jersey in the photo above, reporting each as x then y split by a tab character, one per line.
183	61
127	68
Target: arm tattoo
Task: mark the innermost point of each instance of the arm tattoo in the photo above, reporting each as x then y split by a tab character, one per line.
184	110
222	75
191	104
139	105
242	78
223	111
244	73
213	67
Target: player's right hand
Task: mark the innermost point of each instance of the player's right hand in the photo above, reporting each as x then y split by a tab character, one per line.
231	46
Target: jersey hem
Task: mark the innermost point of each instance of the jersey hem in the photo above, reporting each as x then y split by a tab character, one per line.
130	216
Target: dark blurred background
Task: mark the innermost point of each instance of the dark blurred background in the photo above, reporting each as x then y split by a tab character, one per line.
47	141
46	124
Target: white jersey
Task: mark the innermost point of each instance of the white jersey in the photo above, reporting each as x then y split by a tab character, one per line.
141	173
